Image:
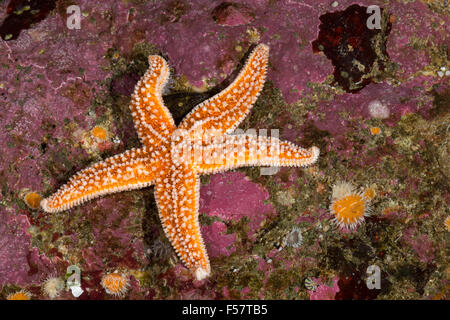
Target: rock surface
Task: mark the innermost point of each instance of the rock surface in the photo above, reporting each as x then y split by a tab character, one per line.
57	83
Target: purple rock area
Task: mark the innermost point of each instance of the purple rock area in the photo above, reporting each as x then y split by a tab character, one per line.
323	291
389	137
224	192
21	264
218	242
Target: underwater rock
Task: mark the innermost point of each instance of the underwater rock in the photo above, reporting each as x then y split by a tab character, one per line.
232	196
230	14
20	264
218	243
354	49
57	84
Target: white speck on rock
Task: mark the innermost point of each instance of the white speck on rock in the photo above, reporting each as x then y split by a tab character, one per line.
76	291
378	110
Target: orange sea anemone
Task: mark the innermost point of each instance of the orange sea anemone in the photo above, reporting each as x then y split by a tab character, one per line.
348	206
375	130
369	193
33	200
19	295
115	283
100	133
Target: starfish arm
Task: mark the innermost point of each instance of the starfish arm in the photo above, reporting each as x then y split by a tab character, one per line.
223	112
132	169
233	151
177	195
152	119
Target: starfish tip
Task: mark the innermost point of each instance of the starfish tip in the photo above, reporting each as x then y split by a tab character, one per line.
315	152
44	204
201	273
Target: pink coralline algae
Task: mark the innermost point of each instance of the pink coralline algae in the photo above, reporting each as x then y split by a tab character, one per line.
20	264
232	14
324	292
111	228
232	196
421	244
402	100
197	53
218	243
424	248
414	21
45	82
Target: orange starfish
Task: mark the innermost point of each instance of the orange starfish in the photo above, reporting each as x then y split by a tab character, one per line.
172	158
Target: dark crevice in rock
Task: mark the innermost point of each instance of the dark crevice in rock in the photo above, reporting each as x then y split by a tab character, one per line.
22	14
357	53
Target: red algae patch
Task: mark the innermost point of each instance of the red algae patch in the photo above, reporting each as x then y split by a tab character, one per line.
22	15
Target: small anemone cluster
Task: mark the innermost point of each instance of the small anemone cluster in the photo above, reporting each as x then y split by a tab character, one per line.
378	109
52	287
294	238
